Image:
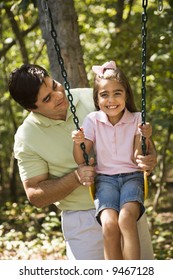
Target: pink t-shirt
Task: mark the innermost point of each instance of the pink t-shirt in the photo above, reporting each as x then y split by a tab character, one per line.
113	145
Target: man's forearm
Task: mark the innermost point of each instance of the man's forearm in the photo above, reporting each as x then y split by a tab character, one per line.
42	193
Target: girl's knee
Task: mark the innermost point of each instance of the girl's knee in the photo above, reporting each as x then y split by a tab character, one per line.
124	218
109	221
128	216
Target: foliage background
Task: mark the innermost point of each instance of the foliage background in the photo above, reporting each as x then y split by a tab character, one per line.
104	36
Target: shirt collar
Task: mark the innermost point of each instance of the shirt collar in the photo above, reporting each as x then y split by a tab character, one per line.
127	117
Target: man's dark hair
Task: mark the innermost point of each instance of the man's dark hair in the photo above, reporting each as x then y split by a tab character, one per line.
24	84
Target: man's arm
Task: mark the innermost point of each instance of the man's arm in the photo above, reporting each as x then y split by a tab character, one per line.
42	191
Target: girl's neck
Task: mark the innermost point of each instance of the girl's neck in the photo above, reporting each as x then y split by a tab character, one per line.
116	119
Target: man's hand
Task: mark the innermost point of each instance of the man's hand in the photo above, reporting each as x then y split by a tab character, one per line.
146	163
86	173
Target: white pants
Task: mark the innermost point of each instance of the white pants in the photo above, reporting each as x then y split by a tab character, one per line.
84	240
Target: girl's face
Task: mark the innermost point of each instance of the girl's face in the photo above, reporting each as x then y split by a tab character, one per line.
111	99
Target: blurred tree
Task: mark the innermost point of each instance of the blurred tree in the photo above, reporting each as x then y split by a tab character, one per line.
109	29
14	50
66	27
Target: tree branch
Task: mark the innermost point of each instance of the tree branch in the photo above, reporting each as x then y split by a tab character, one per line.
23	33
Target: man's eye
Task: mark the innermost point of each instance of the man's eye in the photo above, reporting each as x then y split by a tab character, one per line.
54	86
47	99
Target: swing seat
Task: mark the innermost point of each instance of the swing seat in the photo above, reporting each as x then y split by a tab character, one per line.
145	185
92	190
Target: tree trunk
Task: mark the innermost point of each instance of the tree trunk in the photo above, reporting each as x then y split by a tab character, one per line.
66	27
119	15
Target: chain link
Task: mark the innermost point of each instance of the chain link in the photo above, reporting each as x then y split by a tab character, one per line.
51	28
160	6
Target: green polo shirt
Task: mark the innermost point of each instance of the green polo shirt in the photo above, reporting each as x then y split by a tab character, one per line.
43	145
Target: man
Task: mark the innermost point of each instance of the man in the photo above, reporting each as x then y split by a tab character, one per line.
43	148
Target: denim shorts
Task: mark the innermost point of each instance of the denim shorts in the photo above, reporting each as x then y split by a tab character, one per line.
113	191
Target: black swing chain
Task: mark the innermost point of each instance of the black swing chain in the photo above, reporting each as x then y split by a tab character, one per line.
143	75
51	28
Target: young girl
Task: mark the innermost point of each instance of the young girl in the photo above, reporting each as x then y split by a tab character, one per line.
114	131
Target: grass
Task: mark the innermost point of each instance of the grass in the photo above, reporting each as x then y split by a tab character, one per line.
29	233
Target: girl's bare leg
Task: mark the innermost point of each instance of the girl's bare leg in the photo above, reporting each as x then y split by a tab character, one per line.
111	235
128	225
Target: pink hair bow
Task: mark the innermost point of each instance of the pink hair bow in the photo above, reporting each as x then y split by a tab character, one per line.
99	70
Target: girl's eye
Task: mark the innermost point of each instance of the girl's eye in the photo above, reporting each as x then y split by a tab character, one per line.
103	95
118	93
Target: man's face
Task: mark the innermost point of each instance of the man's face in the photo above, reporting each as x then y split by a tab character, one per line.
52	101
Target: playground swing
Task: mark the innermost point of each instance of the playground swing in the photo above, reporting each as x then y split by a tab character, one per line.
143	82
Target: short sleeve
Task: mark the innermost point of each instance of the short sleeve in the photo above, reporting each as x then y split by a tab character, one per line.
30	164
138	120
88	126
